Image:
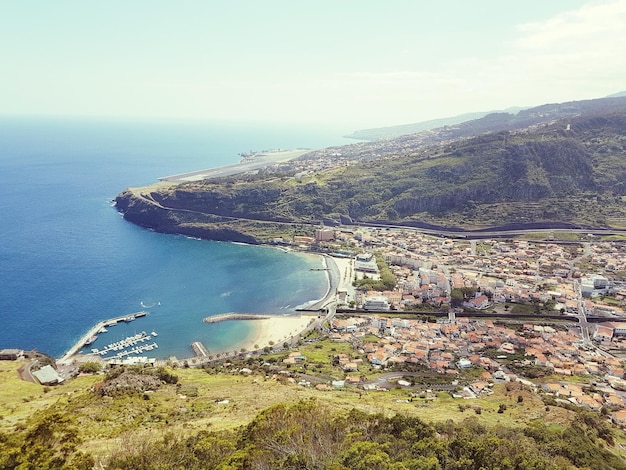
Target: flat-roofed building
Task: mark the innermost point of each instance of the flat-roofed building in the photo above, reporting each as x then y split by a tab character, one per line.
324	235
365	262
11	354
48	376
376	303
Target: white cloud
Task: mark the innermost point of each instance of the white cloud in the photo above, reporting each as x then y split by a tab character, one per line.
583	48
577	54
596	23
365	79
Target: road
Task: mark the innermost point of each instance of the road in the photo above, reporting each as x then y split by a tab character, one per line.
252	164
496	233
582	314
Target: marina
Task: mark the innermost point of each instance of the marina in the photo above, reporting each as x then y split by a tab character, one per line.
120	348
91	336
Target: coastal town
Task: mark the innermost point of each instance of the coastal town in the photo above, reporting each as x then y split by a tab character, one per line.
543	312
544	309
513	309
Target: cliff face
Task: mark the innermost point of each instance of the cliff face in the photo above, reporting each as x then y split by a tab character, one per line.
141	211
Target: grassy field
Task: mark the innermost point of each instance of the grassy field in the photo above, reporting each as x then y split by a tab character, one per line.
222	399
20	399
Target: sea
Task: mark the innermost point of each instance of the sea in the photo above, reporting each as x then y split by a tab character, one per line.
68	259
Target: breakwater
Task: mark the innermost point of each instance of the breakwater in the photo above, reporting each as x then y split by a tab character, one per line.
199	349
91	335
234	316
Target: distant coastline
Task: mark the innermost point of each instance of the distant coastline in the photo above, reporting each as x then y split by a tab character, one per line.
249	162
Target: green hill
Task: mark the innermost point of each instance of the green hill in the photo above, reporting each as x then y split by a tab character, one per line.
555	164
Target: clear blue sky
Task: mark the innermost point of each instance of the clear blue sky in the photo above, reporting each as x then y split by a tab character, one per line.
353	63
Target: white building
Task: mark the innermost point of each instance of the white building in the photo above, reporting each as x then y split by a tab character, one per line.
365	262
594	285
376	303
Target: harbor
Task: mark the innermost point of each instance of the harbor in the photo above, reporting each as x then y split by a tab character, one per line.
92	335
120	349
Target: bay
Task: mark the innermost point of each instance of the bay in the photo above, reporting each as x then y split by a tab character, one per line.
68	259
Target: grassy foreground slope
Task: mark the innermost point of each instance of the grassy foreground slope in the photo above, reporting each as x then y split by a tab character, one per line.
223	418
569	171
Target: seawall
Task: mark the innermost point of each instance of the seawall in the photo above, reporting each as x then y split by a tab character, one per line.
233	316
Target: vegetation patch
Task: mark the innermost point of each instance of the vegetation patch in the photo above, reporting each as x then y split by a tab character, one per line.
133	380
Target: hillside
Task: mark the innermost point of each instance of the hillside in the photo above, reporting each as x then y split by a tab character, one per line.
228	417
568	169
392	132
512	118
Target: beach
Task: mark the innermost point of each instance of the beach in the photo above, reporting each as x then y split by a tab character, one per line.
265	329
276	329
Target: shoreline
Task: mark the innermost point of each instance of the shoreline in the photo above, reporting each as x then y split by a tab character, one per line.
277	329
332	277
274	330
267	329
260	160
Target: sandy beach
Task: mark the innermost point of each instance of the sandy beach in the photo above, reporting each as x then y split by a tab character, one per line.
276	330
280	328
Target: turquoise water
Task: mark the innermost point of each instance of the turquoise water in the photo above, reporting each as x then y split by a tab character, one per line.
68	259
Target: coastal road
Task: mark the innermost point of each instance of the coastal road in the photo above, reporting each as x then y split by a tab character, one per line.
495	233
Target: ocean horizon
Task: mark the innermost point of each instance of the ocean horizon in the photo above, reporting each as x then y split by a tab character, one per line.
68	259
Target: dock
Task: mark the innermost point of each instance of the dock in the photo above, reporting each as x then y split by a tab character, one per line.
234	316
119	348
87	338
199	349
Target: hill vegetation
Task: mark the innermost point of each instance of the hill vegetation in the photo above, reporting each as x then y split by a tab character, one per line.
221	418
568	170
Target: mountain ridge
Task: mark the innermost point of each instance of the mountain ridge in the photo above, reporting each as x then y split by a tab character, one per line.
390	132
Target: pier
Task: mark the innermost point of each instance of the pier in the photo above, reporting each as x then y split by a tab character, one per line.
88	337
122	345
199	349
234	316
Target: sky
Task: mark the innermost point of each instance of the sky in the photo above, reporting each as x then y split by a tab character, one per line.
356	64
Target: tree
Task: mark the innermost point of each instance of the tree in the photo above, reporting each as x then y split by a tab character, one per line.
90	367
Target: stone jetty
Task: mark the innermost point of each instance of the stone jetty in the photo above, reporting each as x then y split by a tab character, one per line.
234	316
